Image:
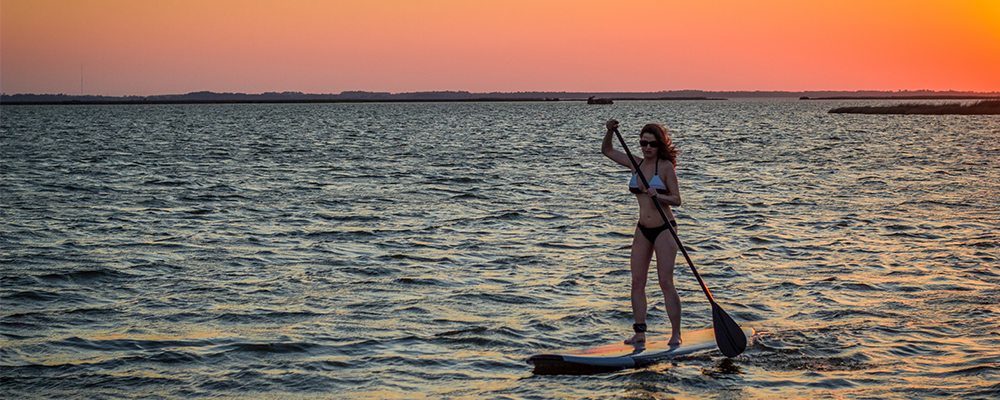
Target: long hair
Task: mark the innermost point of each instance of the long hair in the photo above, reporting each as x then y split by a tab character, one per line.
667	151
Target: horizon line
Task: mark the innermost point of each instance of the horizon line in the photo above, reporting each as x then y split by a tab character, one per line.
450	91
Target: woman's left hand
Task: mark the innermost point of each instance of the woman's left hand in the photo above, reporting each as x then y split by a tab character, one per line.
652	193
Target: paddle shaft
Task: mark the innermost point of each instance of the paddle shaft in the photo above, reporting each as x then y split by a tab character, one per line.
659	208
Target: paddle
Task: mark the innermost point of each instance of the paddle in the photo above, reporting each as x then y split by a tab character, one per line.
728	334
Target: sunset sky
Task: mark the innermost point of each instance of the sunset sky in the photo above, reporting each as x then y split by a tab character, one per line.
131	47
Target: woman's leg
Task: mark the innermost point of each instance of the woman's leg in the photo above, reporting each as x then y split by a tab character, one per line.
642	252
666	253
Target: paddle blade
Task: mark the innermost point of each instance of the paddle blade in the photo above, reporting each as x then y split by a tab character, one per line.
728	334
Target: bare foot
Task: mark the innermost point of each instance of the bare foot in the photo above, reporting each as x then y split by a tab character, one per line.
638	338
675	340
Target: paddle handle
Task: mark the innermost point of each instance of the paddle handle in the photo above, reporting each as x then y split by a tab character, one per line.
701	282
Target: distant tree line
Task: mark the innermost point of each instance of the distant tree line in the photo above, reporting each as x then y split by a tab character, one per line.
365	96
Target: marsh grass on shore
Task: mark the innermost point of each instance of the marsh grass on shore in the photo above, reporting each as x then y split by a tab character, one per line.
983	107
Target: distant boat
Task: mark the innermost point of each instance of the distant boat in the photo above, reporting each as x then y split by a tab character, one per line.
592	100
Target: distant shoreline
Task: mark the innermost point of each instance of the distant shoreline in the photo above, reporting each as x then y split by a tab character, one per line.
208	97
317	101
929	97
987	107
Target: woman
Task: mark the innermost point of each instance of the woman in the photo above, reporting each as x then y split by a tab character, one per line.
658	164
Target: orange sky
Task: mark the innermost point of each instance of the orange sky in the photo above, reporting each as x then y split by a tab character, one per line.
176	46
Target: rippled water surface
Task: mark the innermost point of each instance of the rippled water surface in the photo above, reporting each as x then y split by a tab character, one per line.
425	250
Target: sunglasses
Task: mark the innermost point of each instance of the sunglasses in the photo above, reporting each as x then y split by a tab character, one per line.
644	143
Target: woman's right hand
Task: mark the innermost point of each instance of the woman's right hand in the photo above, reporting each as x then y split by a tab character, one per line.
612	125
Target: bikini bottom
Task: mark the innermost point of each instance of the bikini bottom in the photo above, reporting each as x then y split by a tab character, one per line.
652	233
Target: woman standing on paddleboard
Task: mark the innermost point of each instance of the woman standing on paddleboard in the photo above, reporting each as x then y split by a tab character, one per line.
658	163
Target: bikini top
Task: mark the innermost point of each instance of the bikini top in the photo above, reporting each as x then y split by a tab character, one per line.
655	183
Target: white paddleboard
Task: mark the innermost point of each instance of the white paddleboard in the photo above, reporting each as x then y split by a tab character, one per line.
618	356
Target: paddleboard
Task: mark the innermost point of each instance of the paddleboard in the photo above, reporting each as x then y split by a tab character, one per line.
613	357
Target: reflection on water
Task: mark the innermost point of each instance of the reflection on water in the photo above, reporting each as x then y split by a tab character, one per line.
410	250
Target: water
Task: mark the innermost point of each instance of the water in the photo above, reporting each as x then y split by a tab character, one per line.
426	250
